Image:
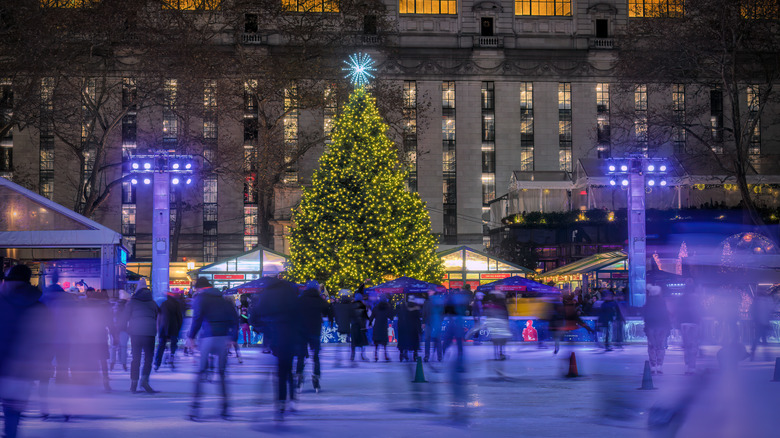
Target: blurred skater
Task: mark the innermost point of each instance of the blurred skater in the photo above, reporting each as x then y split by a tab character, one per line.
433	316
358	330
688	316
280	314
169	324
216	321
341	312
761	313
610	317
497	322
121	338
657	327
312	308
409	329
141	313
564	318
381	318
24	337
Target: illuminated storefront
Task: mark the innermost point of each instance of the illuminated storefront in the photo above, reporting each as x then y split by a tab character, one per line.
251	265
608	270
467	266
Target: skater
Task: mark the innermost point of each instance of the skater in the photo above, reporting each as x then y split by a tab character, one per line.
497	322
688	314
312	309
24	336
564	318
433	316
217	322
169	325
120	338
358	321
409	328
657	327
342	311
243	320
280	316
141	313
381	318
610	317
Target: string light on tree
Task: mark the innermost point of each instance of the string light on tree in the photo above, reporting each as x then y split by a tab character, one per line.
359	66
358	220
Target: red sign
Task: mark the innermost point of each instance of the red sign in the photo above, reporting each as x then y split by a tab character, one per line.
179	282
456	284
228	276
494	276
620	275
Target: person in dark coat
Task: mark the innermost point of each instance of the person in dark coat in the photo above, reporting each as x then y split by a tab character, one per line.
169	324
658	325
24	338
358	328
409	329
280	315
61	305
217	322
119	342
609	315
564	318
381	317
141	313
312	308
342	311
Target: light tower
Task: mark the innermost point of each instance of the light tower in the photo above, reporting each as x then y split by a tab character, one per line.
635	174
164	171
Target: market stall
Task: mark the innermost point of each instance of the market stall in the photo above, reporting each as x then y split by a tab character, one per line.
467	266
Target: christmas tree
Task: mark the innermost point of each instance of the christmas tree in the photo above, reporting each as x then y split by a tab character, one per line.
358	221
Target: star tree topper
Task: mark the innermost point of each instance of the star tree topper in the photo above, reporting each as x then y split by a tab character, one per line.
359	66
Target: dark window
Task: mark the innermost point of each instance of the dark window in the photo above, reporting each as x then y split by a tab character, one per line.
487	26
250	23
602	28
369	24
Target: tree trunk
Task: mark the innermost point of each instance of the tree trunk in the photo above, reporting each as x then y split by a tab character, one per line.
265	213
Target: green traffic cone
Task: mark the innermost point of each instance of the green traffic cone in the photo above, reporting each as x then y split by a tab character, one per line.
419	376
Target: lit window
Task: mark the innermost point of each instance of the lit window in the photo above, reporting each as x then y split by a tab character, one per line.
655	8
444	7
192	5
310	5
543	7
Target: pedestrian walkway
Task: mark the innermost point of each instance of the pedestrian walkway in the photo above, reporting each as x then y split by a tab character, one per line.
525	395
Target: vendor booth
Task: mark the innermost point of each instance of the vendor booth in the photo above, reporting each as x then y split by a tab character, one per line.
251	265
608	270
47	236
467	266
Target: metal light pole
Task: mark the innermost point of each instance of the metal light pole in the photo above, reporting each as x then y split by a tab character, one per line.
635	174
163	170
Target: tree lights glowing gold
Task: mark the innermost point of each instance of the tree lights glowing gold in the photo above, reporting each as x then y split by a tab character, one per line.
358	220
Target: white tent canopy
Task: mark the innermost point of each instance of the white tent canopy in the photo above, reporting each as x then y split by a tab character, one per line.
28	220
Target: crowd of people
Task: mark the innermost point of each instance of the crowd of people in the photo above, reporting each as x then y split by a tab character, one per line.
53	335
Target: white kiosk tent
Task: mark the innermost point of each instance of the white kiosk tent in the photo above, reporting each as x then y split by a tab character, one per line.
247	266
35	229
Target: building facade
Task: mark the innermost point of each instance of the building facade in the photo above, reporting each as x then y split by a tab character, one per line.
494	92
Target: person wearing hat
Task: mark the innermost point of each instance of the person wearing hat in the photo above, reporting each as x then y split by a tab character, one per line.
216	321
169	324
141	314
312	308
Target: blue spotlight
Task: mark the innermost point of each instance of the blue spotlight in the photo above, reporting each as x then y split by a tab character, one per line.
188	166
624	182
663	183
624	168
135	166
189	181
175	166
650	168
134	181
612	182
662	168
175	181
147	166
611	167
147	181
651	182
